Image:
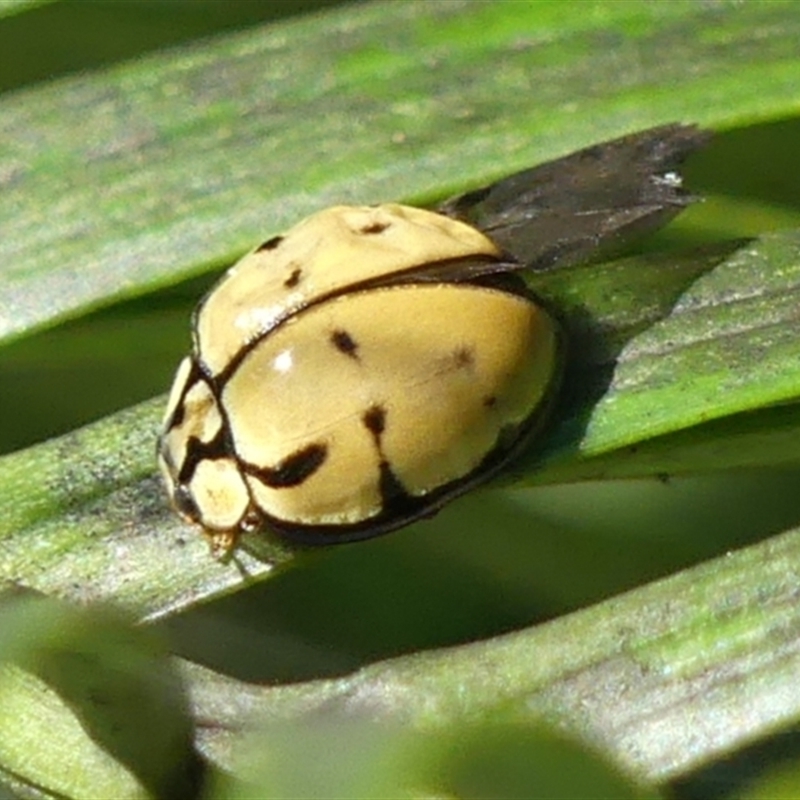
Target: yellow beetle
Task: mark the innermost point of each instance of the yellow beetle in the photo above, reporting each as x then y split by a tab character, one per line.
360	371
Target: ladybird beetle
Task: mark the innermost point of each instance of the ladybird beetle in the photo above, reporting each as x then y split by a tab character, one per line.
372	363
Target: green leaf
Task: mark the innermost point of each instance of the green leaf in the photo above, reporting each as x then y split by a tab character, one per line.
121	181
487	758
94	524
88	706
729	343
10	7
128	179
661	679
779	783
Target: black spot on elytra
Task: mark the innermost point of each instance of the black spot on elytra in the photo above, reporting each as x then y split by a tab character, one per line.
464	357
374	227
293	279
345	343
490	401
374	420
294	469
389	486
270	244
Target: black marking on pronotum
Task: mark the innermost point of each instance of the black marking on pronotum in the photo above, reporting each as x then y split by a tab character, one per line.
345	343
293	470
374	419
197	451
293	279
270	244
179	412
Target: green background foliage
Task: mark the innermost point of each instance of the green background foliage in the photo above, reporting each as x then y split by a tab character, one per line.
146	145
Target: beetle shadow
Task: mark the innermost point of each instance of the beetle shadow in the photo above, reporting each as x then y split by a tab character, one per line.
438	583
596	335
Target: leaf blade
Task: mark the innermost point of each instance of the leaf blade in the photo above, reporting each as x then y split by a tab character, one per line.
188	153
663	678
95	525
